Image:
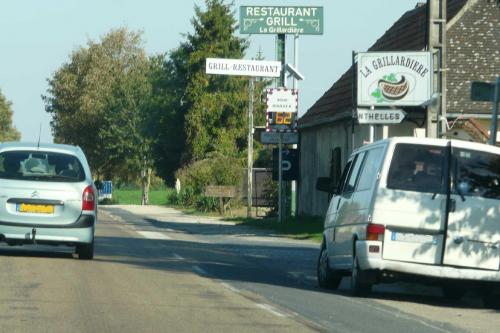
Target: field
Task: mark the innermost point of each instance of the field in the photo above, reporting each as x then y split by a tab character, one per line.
133	197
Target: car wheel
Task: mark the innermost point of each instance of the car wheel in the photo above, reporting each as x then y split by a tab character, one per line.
358	286
85	251
453	292
326	277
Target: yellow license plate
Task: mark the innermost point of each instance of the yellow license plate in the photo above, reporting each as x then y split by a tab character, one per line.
32	208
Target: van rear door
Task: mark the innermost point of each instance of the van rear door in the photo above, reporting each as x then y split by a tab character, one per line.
411	203
473	232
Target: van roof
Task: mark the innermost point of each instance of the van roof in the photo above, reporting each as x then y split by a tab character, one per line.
431	141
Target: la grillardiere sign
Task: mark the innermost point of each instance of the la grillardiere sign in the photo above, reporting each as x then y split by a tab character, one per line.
394	78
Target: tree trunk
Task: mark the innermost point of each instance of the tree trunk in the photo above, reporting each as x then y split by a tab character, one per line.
145	183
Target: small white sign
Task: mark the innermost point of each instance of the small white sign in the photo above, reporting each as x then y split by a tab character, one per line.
243	67
394	78
387	116
282	100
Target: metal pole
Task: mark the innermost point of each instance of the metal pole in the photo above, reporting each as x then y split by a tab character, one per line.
250	148
280	170
494	116
293	208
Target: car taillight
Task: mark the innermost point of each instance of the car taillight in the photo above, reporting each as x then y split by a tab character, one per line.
88	200
375	232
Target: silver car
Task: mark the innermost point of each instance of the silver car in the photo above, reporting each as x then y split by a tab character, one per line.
47	196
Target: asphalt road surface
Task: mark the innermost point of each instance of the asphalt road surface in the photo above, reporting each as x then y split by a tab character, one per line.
158	270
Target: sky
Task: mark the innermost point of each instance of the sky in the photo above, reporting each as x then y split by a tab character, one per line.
37	37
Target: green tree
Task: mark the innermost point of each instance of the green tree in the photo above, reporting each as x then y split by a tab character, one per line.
202	114
7	131
99	101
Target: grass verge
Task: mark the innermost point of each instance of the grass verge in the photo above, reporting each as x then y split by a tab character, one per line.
310	228
133	197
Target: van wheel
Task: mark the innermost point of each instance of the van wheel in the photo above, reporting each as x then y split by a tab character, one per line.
491	301
327	278
85	251
358	286
453	292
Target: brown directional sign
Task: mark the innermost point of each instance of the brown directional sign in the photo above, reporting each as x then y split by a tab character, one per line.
220	191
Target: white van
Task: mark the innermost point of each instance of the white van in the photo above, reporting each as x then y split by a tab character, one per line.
413	207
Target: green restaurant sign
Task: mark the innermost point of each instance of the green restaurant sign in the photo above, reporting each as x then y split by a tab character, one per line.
281	20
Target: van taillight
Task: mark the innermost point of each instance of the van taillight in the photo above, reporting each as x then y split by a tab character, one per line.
88	200
375	232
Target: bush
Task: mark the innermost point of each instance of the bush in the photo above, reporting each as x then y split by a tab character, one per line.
197	176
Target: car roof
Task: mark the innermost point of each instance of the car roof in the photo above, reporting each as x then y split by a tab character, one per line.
55	147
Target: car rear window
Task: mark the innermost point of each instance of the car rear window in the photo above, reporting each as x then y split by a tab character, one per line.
417	168
40	166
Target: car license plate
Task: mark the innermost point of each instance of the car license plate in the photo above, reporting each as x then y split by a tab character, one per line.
33	208
413	238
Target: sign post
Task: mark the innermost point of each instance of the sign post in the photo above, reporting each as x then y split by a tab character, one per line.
282	20
250	68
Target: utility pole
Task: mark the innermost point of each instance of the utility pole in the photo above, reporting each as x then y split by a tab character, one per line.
436	27
250	148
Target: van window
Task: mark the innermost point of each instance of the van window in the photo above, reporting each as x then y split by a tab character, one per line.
417	168
477	173
345	172
353	175
370	169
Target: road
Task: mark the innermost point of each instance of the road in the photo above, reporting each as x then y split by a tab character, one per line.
158	270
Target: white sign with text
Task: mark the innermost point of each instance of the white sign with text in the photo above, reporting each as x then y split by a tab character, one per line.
243	67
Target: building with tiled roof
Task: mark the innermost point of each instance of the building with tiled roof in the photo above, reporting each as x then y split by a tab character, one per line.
473	33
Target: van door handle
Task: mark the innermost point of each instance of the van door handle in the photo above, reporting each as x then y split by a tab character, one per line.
453	205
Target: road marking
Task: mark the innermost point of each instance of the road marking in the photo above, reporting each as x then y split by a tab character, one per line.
396	314
271	309
178	257
153	235
199	270
230	287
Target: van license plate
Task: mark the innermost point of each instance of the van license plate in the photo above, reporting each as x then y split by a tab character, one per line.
32	208
413	238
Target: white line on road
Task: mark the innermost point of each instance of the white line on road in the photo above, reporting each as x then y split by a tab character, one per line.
178	257
230	287
152	235
271	309
199	270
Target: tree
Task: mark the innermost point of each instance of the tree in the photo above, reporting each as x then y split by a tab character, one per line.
99	101
201	115
7	131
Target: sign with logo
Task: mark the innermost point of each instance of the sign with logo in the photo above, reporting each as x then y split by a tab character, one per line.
387	116
243	67
289	163
274	138
281	20
282	100
394	78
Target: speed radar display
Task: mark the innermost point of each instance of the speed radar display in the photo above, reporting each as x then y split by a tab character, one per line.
282	108
281	122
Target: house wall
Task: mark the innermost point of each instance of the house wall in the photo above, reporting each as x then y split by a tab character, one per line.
316	146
